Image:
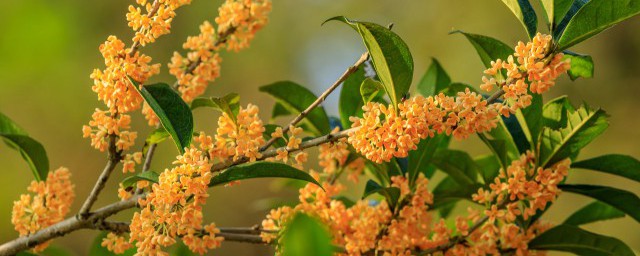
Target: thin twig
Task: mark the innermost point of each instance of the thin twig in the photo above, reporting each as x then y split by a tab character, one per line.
114	159
350	70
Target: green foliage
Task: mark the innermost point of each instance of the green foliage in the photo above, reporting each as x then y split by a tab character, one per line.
434	80
581	65
174	114
621	165
305	235
131	180
594	17
350	103
489	49
96	248
229	104
448	191
583	126
31	150
420	160
260	169
390	56
457	164
596	211
523	10
369	89
489	166
530	121
581	242
622	200
391	194
268	130
295	98
501	143
555	10
157	136
555	113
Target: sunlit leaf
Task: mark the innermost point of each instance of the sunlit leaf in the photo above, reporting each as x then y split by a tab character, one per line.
523	10
260	169
434	80
31	150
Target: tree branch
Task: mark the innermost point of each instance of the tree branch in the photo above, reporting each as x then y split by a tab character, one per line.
114	159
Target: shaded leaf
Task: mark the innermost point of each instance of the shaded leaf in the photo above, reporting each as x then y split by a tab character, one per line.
369	89
622	200
31	150
596	211
575	240
555	113
260	170
457	164
350	103
489	166
307	236
295	99
132	180
621	165
391	194
448	191
420	159
435	79
530	119
488	48
174	114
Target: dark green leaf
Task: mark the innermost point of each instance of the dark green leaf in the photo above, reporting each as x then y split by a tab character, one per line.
370	89
98	250
561	22
596	211
260	170
295	99
622	200
523	10
390	57
489	166
420	159
555	113
621	165
448	191
457	164
530	119
556	10
594	17
581	242
434	80
55	251
345	200
305	235
447	185
278	111
489	49
268	130
31	150
391	194
148	175
229	104
501	143
583	126
581	65
350	100
174	114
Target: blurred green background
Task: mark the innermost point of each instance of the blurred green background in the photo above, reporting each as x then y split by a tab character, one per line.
49	48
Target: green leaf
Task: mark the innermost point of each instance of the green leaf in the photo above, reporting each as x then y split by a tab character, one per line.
555	11
31	150
179	248
581	65
530	119
350	103
391	194
489	166
174	114
622	200
596	16
420	159
260	170
489	49
307	236
131	180
278	111
568	10
501	143
555	113
157	136
523	10
448	191
434	80
583	126
457	164
369	89
596	211
621	165
229	104
295	99
581	242
268	130
454	88
98	250
390	56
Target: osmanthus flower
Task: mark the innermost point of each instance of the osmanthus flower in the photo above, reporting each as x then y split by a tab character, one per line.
238	138
116	243
130	160
173	208
48	204
112	84
149	27
105	124
242	19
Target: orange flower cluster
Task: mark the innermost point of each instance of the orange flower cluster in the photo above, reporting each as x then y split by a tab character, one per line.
238	21
387	132
173	208
112	85
115	243
293	142
530	68
155	22
239	137
104	124
129	162
333	159
50	202
243	18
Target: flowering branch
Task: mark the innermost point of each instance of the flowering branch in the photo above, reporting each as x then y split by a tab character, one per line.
114	157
